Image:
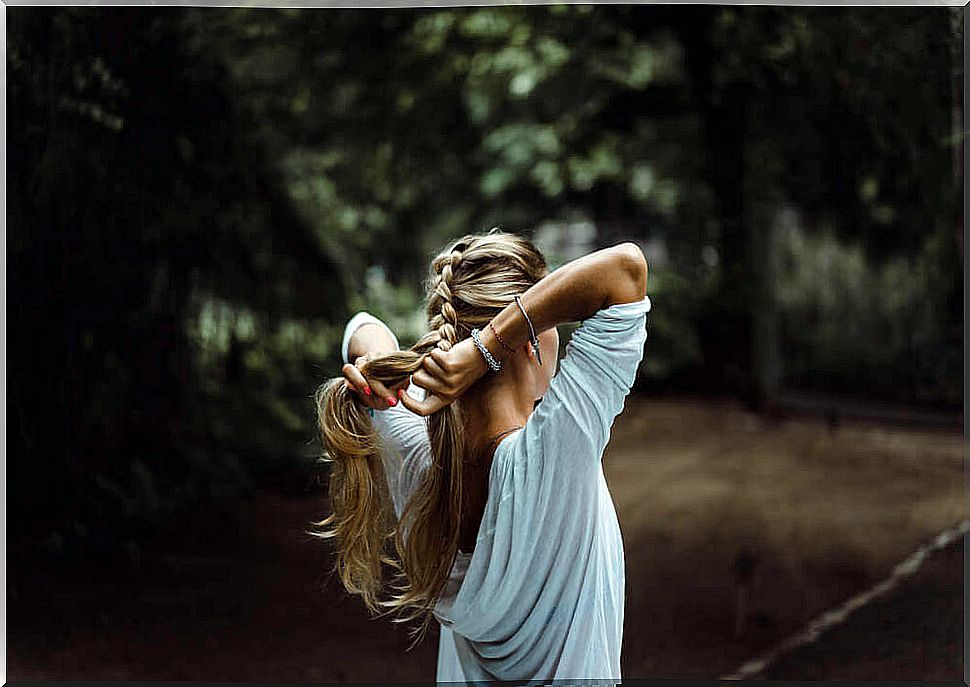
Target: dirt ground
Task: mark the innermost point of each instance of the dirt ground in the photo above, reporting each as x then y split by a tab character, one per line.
243	594
913	633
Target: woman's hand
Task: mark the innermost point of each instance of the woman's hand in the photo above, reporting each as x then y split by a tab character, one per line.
372	393
445	375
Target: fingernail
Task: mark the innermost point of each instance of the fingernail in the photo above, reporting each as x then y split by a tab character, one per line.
367	390
391	400
400	393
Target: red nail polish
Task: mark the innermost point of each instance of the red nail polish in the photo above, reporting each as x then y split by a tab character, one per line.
400	393
367	390
391	400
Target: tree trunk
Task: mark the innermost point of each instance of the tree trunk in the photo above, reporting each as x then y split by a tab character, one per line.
739	338
761	219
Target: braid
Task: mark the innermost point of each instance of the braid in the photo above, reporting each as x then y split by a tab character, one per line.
445	321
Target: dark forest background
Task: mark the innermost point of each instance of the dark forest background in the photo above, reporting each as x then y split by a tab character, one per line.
198	199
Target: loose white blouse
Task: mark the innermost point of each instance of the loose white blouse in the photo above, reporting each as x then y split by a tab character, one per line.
541	596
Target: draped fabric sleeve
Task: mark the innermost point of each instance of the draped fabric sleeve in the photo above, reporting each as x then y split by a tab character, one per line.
595	376
405	447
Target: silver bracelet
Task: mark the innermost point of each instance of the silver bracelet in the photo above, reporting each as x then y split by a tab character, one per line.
489	358
533	339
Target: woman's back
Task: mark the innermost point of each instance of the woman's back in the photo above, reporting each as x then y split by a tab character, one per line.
542	593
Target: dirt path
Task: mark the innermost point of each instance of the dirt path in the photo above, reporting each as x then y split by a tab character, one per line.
826	513
242	594
915	633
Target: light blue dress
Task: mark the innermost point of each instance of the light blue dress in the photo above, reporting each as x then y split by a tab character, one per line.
541	597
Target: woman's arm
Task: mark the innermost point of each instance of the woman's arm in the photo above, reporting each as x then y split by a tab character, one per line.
405	449
366	335
572	293
575	291
370	339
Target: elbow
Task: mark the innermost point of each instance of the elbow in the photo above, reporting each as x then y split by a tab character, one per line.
634	267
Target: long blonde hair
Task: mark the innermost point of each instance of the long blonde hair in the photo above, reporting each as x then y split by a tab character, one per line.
471	281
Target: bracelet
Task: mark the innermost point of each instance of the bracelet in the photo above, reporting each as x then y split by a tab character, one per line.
489	358
533	339
500	340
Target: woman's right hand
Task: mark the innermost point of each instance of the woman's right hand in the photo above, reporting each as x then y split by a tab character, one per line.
372	393
445	375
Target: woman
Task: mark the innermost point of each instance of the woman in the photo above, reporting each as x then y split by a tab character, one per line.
502	523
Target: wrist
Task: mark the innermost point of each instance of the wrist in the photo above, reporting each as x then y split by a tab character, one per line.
481	365
492	339
504	333
478	338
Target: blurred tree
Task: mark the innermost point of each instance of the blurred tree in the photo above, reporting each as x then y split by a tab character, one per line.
463	119
134	185
845	114
198	197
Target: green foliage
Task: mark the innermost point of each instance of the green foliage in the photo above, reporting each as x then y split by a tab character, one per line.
401	307
132	191
868	98
199	197
676	297
849	325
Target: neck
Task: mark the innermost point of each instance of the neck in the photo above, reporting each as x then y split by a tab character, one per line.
495	405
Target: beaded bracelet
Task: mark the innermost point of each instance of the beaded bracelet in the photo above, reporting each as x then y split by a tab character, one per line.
489	358
500	339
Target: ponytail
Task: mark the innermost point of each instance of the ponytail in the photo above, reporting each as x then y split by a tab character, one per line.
472	280
426	538
362	520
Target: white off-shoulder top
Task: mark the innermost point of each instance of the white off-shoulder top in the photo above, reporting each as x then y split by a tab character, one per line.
541	596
